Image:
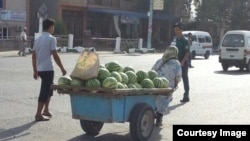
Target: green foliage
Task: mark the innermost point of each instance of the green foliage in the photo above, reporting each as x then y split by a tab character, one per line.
231	13
60	28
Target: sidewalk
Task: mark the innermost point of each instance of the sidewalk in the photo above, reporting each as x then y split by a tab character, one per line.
15	53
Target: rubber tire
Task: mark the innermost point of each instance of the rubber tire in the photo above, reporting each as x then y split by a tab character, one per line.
225	67
207	54
91	127
248	66
193	54
241	68
136	118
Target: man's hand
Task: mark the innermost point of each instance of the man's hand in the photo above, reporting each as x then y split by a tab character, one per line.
35	75
64	72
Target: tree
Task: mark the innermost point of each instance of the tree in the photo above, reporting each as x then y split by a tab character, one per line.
60	28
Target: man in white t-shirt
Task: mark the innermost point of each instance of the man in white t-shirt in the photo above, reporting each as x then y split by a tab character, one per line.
44	50
23	38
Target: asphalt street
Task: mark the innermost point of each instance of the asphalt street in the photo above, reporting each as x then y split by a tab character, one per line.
217	97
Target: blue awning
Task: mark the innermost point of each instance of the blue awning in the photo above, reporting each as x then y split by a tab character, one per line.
132	14
117	12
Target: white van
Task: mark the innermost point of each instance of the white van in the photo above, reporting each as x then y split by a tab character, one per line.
235	50
202	43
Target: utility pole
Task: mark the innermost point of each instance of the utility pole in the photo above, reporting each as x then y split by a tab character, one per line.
150	14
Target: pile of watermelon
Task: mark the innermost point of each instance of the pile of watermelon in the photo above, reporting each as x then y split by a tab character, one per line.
114	76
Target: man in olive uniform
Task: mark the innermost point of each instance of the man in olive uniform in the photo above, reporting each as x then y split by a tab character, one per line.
183	46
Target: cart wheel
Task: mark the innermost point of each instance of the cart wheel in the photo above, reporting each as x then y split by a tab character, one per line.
91	127
141	122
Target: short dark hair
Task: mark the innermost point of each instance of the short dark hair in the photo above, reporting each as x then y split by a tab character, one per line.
47	23
179	25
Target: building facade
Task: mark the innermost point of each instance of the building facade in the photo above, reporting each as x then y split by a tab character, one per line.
103	18
12	18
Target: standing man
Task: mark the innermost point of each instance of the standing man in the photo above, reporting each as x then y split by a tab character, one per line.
190	40
23	38
183	47
44	48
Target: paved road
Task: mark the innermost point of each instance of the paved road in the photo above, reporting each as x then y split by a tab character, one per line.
216	98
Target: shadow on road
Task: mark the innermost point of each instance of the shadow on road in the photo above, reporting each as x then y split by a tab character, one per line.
173	107
104	137
9	134
116	137
232	72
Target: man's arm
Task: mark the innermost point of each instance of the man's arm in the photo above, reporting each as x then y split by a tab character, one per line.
187	50
58	61
35	73
184	59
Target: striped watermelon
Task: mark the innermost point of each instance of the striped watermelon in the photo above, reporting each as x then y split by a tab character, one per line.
102	66
124	78
117	76
110	83
64	80
77	82
114	66
141	75
159	83
103	74
147	83
93	83
137	85
120	86
125	86
132	86
128	68
132	78
166	82
152	74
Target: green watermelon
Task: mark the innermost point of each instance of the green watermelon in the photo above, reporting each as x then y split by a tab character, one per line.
159	83
124	78
137	85
125	86
133	86
103	74
120	86
141	75
166	82
102	66
110	83
147	83
114	66
93	83
132	78
64	80
128	68
152	74
77	82
117	76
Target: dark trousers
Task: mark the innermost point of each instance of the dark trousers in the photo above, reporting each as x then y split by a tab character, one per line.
47	80
190	59
185	80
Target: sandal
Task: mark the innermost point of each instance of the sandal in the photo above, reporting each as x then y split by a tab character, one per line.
47	115
41	118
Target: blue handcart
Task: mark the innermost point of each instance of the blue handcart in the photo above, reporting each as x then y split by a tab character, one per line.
95	107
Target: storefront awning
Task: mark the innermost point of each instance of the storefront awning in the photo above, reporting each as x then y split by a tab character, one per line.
117	12
132	14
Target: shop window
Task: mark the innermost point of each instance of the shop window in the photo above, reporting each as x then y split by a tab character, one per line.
1	4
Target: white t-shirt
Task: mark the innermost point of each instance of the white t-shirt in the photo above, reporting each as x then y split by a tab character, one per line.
23	36
43	46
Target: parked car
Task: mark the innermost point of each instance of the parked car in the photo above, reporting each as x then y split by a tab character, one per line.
235	50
